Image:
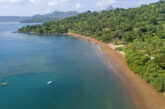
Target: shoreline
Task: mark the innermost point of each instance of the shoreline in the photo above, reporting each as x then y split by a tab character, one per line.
142	94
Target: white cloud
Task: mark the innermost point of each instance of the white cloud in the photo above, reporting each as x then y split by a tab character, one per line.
103	3
48	11
52	3
16	1
121	3
31	1
56	2
78	6
140	2
11	1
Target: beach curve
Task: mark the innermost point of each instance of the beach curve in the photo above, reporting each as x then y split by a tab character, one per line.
142	94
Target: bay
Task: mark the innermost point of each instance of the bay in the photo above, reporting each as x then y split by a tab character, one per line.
81	78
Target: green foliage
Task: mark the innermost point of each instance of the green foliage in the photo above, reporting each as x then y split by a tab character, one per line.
143	65
141	29
160	60
119	48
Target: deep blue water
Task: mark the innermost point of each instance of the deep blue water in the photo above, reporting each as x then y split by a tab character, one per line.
81	78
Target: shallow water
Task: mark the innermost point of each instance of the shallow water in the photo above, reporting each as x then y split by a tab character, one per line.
81	79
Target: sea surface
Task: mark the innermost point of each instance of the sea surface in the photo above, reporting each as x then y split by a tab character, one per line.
81	78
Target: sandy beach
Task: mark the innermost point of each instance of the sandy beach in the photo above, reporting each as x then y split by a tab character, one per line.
143	95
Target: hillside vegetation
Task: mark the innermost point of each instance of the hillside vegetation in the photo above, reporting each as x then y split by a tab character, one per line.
141	29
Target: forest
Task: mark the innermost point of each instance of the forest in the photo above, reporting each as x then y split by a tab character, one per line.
141	30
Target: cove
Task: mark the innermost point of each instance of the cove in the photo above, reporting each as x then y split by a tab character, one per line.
81	78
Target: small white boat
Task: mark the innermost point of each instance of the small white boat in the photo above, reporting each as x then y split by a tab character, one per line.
49	82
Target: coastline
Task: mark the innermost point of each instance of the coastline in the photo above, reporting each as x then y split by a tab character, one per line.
142	94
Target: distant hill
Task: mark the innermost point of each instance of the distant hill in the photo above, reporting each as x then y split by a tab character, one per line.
49	17
11	18
39	18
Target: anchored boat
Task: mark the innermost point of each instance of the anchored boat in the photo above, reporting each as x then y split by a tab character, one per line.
49	82
4	84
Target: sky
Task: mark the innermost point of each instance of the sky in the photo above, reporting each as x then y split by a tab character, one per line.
32	7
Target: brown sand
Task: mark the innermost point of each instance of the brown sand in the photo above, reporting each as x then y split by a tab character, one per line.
143	95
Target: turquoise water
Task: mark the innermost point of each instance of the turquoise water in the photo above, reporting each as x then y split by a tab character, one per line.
81	79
